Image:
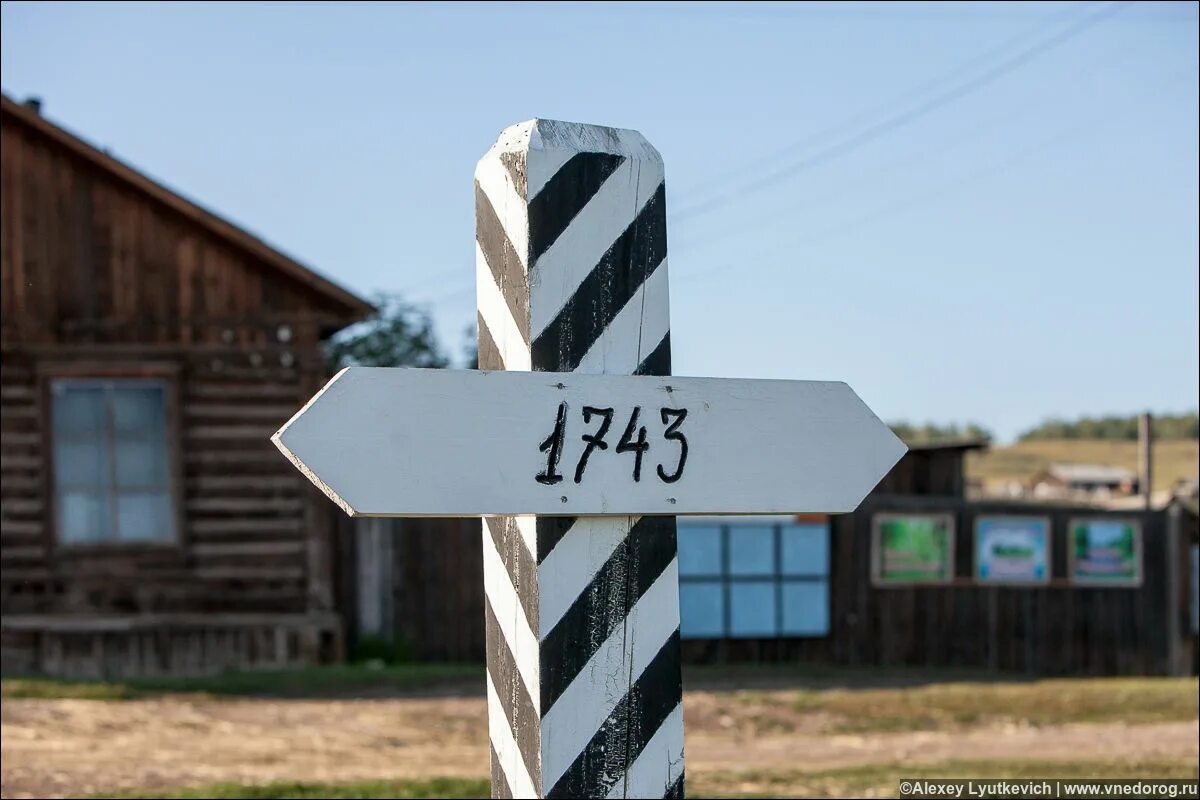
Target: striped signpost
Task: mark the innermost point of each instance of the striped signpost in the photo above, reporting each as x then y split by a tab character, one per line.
577	458
585	700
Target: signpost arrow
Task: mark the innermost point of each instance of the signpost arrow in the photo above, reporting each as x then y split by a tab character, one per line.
422	442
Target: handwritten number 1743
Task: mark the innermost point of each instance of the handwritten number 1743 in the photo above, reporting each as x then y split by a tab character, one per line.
633	440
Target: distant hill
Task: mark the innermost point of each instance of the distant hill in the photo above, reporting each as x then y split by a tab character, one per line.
1167	426
1173	459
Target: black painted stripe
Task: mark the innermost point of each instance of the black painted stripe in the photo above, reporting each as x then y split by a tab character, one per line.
623	736
659	360
563	196
550	531
603	606
675	792
503	260
500	787
518	562
626	265
489	351
514	697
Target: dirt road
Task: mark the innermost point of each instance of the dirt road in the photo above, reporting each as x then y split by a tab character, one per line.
74	747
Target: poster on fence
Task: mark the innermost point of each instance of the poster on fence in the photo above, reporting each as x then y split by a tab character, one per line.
912	548
1106	552
1012	549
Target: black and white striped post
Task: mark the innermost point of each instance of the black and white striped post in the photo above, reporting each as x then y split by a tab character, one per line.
582	613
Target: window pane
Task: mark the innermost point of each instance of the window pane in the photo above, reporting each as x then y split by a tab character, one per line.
804	550
80	464
144	516
141	462
751	550
701	610
752	608
805	608
84	517
79	410
699	549
139	410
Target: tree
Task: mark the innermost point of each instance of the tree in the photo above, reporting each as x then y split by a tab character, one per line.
399	334
931	433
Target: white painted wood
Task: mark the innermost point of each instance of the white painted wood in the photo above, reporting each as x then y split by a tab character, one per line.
570	723
512	620
507	751
415	442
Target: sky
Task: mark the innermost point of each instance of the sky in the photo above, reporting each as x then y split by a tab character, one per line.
968	213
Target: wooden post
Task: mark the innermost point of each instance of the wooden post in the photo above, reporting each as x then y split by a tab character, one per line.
582	614
1146	458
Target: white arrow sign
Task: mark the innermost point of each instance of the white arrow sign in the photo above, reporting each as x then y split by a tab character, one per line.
419	442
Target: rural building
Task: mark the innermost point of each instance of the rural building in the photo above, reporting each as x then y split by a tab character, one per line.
149	348
919	575
1083	481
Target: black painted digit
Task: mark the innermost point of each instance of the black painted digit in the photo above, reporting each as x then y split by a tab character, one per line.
627	445
672	432
593	440
554	443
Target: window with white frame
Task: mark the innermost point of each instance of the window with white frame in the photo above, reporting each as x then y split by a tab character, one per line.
112	466
753	579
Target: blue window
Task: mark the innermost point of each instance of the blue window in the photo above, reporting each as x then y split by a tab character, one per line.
753	579
112	476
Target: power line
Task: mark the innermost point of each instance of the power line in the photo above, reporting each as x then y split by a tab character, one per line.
1070	133
905	117
855	122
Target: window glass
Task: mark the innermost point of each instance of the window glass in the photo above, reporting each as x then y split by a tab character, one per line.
701	609
111	476
79	410
141	463
143	516
805	608
804	550
81	464
84	517
751	550
752	608
699	550
139	410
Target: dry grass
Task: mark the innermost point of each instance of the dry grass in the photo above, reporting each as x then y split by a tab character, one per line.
872	780
1173	460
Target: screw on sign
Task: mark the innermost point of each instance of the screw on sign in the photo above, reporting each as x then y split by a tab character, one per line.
577	447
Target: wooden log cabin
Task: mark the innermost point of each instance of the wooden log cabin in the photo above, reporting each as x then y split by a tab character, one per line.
148	348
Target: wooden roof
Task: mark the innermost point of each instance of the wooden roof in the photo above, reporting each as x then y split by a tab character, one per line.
353	305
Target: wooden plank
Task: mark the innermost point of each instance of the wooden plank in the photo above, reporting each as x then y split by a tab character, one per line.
249	573
225	432
274	413
274	484
226	390
15	463
247	549
460	442
254	505
21	506
243	526
23	393
22	553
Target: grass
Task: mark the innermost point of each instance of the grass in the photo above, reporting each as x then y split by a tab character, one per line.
956	705
429	787
332	681
1173	460
883	780
871	780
